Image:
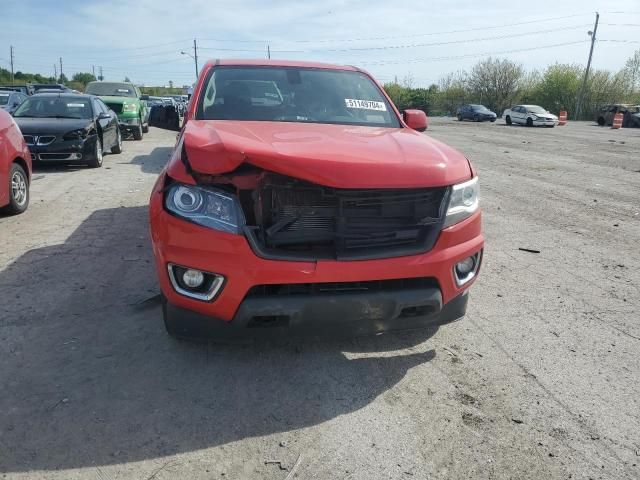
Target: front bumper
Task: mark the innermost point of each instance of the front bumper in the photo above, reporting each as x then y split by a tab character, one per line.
183	243
65	151
128	124
545	123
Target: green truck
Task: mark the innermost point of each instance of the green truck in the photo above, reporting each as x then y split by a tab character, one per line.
126	100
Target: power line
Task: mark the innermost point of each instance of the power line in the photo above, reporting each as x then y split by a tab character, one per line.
453	42
487	27
470	55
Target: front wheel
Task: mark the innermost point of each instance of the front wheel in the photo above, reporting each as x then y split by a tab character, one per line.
18	190
459	117
529	122
117	148
96	162
601	121
508	120
137	133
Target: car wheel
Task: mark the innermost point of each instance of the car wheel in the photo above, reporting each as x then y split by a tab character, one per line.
117	148
97	155
459	117
145	128
18	190
529	122
492	120
476	118
601	121
508	120
137	133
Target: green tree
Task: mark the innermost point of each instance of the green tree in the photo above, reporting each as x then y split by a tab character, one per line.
496	83
559	86
83	78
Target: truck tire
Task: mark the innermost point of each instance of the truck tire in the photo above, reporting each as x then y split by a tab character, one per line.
137	133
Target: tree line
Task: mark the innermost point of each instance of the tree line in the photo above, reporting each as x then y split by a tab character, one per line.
77	82
500	83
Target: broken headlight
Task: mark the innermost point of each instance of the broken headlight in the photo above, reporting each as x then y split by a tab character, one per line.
463	202
205	206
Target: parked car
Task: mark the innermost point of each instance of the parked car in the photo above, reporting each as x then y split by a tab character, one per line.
477	113
58	87
68	128
127	101
15	167
328	211
530	115
24	89
10	100
631	118
631	114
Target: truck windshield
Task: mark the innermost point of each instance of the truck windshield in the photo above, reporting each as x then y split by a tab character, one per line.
109	89
294	94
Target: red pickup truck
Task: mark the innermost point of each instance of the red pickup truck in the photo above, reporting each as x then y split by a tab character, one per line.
299	198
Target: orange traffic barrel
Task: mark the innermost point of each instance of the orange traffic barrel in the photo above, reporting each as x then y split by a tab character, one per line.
562	120
617	120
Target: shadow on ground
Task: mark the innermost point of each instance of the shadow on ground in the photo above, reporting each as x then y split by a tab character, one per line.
90	378
153	162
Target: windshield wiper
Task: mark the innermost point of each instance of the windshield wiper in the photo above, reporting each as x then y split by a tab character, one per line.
61	116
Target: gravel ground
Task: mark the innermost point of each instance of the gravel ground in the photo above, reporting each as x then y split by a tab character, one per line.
540	380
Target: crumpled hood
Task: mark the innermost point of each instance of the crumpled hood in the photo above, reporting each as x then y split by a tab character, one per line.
340	156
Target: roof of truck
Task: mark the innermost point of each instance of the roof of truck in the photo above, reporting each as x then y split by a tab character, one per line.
278	63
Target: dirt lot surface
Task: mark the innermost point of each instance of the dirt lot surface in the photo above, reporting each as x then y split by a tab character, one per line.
541	380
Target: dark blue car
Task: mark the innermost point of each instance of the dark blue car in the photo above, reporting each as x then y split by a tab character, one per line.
477	113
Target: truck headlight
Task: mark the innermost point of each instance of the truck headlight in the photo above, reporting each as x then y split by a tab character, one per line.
129	107
205	206
463	202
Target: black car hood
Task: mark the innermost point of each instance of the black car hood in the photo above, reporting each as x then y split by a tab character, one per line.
30	126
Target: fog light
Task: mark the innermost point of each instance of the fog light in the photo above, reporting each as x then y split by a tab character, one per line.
465	270
466	266
193	278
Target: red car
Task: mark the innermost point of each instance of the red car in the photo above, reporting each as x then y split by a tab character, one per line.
15	167
298	197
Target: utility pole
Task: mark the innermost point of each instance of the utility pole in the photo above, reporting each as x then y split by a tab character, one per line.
586	72
55	72
101	77
269	52
93	70
60	69
195	55
11	56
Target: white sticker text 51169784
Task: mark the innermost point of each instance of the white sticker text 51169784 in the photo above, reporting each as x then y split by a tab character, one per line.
365	104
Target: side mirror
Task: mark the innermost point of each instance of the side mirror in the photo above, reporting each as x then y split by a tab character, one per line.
144	97
415	119
104	116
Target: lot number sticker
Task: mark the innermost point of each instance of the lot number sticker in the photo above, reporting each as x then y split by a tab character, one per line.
365	104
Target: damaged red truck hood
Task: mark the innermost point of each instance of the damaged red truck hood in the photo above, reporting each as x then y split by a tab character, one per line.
340	156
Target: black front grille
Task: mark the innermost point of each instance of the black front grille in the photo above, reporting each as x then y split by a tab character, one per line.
342	287
301	220
116	107
29	139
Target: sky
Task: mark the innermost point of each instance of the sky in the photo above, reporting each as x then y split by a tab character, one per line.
422	41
